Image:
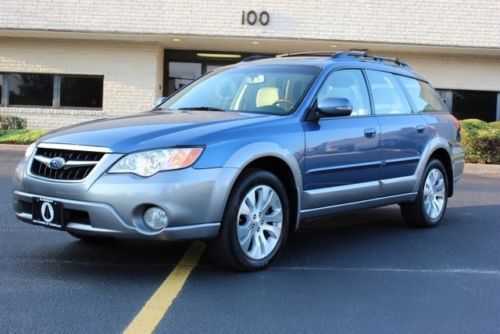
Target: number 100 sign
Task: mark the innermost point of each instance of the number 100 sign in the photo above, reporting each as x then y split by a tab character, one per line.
252	17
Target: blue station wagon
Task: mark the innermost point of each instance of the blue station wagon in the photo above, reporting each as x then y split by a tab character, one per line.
247	153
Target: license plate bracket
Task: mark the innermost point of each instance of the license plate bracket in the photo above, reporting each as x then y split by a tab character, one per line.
48	212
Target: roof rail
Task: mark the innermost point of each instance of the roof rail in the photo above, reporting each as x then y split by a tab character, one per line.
306	53
255	57
365	55
357	54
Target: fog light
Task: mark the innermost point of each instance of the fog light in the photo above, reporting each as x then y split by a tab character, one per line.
155	218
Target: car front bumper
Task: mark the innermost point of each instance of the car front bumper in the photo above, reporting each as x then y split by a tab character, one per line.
113	204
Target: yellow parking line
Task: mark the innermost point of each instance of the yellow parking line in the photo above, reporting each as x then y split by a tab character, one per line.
155	308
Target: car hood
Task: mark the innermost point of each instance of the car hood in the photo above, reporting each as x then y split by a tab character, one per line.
153	129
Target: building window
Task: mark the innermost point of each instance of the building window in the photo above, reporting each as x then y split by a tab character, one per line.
465	104
82	92
474	104
51	90
446	97
30	89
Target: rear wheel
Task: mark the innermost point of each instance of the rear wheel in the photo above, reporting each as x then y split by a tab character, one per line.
430	205
255	223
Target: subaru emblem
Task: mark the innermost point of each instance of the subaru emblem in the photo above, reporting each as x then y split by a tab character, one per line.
57	163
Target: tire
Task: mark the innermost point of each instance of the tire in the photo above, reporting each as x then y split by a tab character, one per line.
430	205
251	236
91	239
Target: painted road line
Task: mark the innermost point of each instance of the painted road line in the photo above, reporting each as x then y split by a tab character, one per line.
157	306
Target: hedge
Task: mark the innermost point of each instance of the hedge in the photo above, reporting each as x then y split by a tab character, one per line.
495	125
481	141
12	122
23	136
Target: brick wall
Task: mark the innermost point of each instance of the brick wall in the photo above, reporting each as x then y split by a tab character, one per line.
132	75
430	22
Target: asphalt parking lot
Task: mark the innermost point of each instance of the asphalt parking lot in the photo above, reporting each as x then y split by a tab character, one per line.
359	273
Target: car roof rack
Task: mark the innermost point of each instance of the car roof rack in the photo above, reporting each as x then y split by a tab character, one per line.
365	55
255	57
306	53
353	54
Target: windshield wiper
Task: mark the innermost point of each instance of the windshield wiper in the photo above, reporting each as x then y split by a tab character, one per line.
201	108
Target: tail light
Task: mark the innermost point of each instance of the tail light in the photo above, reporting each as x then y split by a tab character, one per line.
456	122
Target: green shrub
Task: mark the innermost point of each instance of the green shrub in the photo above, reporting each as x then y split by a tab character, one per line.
24	136
481	141
495	125
473	125
12	122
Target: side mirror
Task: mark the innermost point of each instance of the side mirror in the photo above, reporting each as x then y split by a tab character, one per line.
159	101
335	106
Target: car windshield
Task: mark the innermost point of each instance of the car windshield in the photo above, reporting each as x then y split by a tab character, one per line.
269	89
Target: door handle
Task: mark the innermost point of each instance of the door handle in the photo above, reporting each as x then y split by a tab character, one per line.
370	132
420	128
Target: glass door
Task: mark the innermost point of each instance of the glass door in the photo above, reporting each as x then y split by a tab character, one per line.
182	67
182	73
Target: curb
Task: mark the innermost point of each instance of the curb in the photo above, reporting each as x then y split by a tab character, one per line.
13	147
482	169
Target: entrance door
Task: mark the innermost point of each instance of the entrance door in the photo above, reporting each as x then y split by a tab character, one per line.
181	74
182	67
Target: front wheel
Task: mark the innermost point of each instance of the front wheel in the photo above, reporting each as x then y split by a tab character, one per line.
255	223
430	205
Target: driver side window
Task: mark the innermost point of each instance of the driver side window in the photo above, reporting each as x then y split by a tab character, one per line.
349	84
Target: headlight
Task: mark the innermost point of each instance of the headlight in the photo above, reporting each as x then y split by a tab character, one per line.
29	151
148	163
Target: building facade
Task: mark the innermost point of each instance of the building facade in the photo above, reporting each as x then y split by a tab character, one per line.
69	61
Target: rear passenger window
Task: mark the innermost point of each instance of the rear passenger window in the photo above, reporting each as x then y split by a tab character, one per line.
388	96
422	95
349	84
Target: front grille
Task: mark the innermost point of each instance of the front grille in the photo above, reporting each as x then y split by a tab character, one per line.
75	168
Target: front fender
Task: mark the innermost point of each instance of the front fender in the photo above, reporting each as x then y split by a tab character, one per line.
251	152
247	154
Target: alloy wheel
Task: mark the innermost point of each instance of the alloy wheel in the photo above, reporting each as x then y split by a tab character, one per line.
434	193
260	222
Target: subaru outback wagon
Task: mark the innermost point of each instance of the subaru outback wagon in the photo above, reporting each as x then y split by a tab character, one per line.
245	154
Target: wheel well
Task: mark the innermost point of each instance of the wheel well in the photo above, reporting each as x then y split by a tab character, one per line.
283	172
443	156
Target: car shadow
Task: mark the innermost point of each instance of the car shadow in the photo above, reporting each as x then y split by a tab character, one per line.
375	238
379	238
61	256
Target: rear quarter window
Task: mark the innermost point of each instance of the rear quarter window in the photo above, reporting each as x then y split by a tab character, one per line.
423	97
388	95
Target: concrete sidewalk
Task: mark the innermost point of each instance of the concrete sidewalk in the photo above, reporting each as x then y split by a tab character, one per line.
482	169
12	147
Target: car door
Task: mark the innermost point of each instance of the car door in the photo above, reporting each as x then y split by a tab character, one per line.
404	133
342	156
